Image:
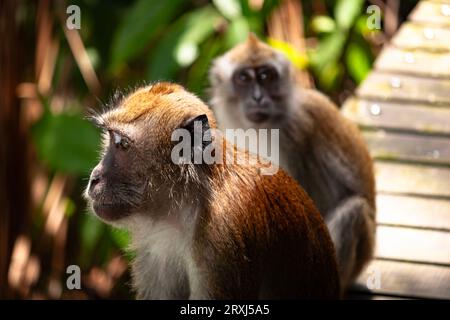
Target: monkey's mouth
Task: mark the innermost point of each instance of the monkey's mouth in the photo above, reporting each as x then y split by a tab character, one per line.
257	116
111	211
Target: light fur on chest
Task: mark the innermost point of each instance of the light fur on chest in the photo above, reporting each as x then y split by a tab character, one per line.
164	267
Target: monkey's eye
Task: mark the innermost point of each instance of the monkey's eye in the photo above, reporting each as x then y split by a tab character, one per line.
120	141
243	77
267	74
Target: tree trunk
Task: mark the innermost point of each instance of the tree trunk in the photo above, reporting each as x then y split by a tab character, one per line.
14	183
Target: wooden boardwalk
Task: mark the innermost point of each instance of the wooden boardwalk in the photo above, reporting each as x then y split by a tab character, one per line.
403	108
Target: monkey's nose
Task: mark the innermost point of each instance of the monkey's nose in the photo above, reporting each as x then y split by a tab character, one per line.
94	180
257	97
257	94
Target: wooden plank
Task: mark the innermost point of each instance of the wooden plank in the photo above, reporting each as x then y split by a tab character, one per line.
413	211
412	179
412	147
417	245
432	12
386	86
423	63
421	36
407	279
391	115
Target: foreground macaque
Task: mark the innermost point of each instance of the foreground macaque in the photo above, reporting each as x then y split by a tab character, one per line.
253	87
204	231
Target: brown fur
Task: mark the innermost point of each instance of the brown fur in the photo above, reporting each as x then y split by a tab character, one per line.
157	98
273	230
252	51
343	138
253	236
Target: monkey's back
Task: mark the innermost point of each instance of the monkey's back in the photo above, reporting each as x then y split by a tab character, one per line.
273	241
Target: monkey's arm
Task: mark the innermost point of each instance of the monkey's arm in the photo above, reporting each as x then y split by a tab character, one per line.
339	147
342	153
351	221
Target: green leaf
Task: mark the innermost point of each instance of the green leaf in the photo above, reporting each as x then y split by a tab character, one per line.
331	76
162	64
237	32
362	28
358	60
139	26
70	208
323	24
66	142
120	237
269	6
185	35
198	74
200	24
94	56
91	231
245	8
329	49
346	11
231	9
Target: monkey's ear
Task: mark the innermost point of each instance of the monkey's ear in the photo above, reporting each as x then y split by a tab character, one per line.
205	132
189	123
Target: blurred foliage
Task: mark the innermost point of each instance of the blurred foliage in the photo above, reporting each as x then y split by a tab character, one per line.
130	42
66	142
342	48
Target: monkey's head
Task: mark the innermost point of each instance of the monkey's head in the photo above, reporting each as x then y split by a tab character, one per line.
253	78
136	169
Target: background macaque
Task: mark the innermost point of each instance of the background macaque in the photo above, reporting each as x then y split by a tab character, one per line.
253	87
204	230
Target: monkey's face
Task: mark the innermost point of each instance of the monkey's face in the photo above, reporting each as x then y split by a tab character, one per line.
137	173
260	92
116	185
252	85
